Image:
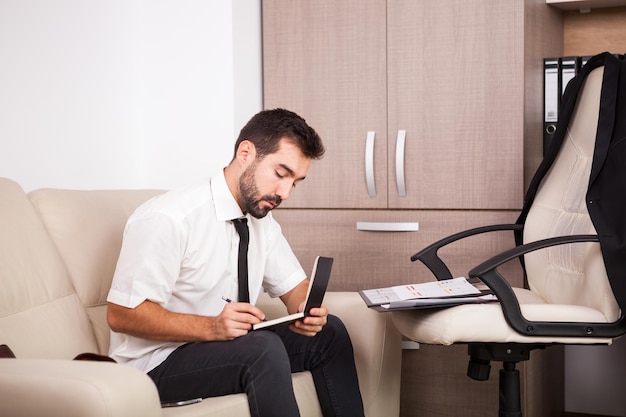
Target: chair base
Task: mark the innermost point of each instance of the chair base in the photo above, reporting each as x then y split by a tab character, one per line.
481	355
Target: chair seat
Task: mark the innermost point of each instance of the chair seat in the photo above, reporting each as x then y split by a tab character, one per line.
486	323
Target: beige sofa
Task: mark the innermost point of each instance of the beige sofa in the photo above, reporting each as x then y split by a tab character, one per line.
58	250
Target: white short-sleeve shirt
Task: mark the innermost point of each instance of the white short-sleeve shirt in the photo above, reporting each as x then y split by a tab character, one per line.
180	251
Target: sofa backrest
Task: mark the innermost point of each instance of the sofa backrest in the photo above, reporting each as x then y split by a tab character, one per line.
87	228
41	315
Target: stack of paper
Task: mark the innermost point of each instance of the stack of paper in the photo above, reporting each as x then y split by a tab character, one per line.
427	295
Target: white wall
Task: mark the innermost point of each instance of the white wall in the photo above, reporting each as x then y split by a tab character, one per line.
124	93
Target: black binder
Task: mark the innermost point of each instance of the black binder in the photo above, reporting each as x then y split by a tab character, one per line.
568	69
551	98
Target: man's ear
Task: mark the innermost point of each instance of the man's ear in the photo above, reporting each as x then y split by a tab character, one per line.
246	152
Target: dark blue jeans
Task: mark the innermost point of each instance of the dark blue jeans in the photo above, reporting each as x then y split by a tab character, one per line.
260	364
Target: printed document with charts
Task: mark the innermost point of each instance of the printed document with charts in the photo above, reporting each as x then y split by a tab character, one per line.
443	293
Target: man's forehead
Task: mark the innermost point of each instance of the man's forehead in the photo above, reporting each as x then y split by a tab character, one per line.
290	158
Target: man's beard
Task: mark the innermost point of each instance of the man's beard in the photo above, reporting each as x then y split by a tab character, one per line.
250	195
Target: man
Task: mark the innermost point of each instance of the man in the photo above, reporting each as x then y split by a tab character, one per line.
169	304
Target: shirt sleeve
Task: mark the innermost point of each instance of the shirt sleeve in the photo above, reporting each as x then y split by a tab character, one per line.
149	261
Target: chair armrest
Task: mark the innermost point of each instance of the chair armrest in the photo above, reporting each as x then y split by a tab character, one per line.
429	255
488	273
64	388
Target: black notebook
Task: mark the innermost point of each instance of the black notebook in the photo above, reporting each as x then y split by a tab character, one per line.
315	295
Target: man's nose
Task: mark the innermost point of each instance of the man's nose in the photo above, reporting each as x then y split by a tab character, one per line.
284	189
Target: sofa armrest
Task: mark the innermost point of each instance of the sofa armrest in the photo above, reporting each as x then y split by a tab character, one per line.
63	388
377	348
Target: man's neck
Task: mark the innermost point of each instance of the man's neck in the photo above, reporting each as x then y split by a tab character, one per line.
232	181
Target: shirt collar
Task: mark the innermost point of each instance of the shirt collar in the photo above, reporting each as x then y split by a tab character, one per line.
226	207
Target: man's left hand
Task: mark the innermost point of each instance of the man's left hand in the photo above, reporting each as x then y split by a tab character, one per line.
311	324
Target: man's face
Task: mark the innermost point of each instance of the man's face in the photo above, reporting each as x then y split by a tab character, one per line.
268	181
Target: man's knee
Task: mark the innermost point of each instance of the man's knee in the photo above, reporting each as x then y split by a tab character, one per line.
335	327
268	362
335	335
267	346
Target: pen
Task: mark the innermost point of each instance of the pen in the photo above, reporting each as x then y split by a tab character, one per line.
228	300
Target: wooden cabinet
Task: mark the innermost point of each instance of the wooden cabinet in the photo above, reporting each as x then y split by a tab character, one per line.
438	88
431	112
422	105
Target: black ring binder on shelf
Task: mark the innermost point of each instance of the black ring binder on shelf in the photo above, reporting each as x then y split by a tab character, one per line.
557	73
551	98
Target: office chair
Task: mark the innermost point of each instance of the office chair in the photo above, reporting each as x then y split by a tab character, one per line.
570	239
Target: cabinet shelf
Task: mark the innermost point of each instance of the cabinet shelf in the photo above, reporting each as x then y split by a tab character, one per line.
585	4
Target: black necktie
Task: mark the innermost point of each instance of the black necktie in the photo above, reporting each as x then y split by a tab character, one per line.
241	225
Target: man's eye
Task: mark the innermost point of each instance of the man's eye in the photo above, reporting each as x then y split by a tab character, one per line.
279	175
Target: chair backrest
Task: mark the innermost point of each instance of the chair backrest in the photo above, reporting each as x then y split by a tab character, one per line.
574	273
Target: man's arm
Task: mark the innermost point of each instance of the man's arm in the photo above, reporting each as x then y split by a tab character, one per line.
151	321
294	300
296	296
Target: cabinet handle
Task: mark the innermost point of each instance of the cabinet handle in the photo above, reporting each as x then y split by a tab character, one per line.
387	226
400	143
369	163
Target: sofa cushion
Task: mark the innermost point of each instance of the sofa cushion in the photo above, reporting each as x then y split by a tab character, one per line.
87	229
40	313
237	404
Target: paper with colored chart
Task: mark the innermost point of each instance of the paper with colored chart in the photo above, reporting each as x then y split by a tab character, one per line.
456	287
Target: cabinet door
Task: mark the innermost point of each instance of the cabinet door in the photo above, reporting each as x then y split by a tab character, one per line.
456	86
326	61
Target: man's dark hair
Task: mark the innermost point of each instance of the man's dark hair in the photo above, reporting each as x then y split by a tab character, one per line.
268	127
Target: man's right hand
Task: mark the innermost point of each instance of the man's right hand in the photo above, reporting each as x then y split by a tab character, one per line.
236	319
